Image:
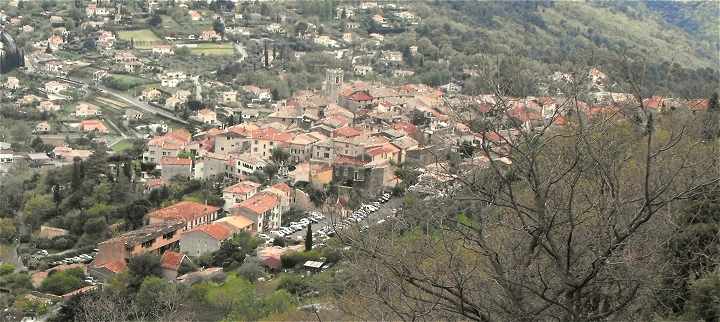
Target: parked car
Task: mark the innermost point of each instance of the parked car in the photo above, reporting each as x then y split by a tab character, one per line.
263	236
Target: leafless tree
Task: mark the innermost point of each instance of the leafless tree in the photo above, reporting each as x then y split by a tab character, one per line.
546	222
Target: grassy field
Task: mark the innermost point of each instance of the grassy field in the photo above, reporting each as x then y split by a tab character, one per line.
222	49
143	38
125	82
122	146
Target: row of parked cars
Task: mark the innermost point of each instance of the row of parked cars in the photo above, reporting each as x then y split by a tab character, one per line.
82	258
312	217
357	216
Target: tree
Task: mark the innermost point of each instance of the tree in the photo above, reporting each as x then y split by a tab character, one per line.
63	282
7	230
219	26
142	266
692	249
704	299
78	173
279	156
37	209
278	241
557	232
155	21
251	269
711	127
308	239
233	251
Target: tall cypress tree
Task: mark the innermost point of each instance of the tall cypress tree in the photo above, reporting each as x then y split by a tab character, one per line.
308	238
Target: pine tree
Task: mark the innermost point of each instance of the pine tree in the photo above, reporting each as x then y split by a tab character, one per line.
308	239
265	51
77	174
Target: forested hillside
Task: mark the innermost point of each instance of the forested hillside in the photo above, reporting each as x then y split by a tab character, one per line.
542	37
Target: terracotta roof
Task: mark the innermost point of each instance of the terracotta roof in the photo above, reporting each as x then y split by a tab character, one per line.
214	230
92	125
174	139
346	160
699	104
171	260
282	187
235	222
385	148
408	127
271	134
347	131
184	210
175	161
259	203
242	187
360	96
115	266
654	102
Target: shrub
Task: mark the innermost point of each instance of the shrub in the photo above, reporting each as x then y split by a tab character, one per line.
294	284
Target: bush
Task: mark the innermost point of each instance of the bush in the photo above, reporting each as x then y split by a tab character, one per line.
60	283
296	259
251	269
6	269
294	284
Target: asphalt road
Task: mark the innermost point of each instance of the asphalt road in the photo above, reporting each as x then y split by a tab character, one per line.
132	101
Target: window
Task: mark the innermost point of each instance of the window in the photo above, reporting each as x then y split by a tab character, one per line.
271	143
169	235
327	155
147	244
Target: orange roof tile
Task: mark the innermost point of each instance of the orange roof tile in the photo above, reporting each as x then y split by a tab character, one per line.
347	131
282	187
235	222
214	230
259	203
171	260
242	187
184	210
175	161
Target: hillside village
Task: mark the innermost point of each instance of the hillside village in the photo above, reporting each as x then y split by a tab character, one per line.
242	119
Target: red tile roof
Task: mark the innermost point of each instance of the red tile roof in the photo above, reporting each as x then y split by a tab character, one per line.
654	102
408	127
282	187
360	96
260	203
385	148
347	132
175	161
346	160
115	266
216	230
93	125
242	187
184	210
699	104
271	134
171	260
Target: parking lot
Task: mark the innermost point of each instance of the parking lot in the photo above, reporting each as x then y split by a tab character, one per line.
329	223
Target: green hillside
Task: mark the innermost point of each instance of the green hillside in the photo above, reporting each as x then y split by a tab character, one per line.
541	37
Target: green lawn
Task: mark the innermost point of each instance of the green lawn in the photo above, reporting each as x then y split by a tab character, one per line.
143	38
213	49
122	146
125	82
